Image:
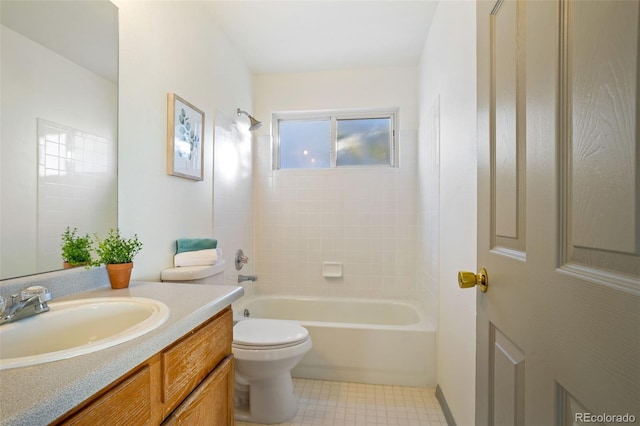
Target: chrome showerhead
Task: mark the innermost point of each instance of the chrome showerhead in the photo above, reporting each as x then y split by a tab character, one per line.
254	123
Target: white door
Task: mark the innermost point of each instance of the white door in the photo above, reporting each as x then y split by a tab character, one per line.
558	331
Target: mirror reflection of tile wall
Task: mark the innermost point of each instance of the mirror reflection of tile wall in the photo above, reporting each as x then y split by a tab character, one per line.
76	173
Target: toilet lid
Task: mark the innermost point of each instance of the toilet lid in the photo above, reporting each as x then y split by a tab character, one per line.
268	333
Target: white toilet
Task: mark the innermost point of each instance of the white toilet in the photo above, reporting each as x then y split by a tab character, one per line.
265	351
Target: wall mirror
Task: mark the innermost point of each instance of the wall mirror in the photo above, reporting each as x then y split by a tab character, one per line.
59	99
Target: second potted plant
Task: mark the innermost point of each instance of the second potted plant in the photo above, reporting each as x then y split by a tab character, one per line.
76	249
116	253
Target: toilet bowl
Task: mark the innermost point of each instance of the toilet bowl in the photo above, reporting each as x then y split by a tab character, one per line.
265	352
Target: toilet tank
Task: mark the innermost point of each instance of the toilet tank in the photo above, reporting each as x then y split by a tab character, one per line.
210	274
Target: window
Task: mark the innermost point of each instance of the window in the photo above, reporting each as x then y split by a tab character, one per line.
304	144
325	140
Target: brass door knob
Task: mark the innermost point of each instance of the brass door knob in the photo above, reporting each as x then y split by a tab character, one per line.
469	279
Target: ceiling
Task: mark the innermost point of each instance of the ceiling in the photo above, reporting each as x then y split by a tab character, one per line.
273	36
320	35
97	21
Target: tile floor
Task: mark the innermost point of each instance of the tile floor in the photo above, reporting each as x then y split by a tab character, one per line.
324	403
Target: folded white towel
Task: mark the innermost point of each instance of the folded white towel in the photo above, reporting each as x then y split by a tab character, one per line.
196	258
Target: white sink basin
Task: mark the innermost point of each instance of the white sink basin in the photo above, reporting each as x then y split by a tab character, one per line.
78	327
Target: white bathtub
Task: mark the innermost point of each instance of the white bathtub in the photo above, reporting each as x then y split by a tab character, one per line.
356	340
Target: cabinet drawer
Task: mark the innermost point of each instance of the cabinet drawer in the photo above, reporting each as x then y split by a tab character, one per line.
211	403
186	363
128	402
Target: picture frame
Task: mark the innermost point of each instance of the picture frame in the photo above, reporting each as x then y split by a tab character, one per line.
185	139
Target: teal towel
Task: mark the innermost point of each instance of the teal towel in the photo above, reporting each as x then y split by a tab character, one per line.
193	244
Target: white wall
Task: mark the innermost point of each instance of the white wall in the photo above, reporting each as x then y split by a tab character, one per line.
364	218
174	47
448	100
233	192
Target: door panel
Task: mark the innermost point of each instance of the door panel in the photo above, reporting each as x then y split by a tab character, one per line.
558	331
507	385
570	410
599	134
505	31
602	73
508	127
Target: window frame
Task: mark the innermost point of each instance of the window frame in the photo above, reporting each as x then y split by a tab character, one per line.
333	116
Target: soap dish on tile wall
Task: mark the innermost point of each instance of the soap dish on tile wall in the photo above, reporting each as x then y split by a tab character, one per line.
332	269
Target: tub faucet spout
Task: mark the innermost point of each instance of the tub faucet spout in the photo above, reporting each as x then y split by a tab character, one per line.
242	278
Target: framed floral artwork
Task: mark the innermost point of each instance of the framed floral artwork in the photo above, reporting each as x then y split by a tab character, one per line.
185	139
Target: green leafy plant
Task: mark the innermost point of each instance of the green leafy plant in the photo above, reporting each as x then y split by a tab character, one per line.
117	249
76	249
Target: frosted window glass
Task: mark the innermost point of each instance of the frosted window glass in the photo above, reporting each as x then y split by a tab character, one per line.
305	144
363	142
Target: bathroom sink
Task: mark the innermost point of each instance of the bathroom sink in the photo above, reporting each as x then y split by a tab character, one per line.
78	327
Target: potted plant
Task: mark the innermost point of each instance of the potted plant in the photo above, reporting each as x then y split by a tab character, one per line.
76	249
116	253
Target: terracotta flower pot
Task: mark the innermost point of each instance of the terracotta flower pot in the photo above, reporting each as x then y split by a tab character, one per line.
67	265
119	274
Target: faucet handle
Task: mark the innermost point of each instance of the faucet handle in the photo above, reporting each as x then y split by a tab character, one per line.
42	293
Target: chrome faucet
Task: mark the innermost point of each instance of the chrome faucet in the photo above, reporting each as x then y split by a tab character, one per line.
34	301
242	278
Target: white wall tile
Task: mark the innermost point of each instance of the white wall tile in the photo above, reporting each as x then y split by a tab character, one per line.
365	218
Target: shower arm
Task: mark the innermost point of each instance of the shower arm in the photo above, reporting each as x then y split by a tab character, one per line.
254	123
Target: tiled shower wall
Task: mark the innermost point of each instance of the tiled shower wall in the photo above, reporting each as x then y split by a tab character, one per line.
364	218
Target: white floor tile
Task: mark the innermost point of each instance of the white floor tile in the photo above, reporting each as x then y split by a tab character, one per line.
324	403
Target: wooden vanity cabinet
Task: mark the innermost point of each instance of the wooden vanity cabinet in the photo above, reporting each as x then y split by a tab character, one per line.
189	383
128	402
211	403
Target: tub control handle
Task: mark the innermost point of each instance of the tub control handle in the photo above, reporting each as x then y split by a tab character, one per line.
241	259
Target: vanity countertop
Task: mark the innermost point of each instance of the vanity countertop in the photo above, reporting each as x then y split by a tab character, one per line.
39	394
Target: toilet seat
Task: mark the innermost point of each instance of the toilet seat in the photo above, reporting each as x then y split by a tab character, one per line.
265	334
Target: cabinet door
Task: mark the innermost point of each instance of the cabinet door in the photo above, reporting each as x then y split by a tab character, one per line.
211	403
190	360
129	402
